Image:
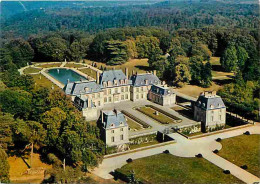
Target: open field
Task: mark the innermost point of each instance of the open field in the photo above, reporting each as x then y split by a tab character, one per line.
133	125
89	72
18	169
136	65
243	150
161	118
166	168
42	81
74	65
31	70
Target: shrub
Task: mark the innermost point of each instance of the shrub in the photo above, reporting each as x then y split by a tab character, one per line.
166	151
129	160
215	151
199	155
226	171
218	139
53	159
247	133
244	167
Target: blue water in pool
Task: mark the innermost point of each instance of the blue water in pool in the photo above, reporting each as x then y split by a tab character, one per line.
63	75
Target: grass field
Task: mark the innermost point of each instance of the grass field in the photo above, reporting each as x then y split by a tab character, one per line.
136	65
49	65
161	118
42	81
31	70
243	150
18	168
133	125
74	65
89	72
166	168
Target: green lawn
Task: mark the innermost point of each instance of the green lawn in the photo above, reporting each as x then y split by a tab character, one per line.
243	150
161	118
74	65
89	72
166	168
42	81
133	125
31	70
134	146
49	65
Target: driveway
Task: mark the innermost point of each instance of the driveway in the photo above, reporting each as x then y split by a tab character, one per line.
187	148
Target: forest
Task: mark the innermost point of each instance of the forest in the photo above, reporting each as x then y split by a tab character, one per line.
164	32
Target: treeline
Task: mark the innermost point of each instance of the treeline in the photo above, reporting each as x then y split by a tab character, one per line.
168	15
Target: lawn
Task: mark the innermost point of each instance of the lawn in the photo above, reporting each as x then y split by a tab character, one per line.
49	65
74	65
135	146
133	125
42	81
166	168
138	65
31	70
161	118
89	72
18	168
243	150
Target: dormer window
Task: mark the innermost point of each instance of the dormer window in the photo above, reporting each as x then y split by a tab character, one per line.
105	84
121	123
146	81
112	125
115	83
218	105
86	89
211	106
125	81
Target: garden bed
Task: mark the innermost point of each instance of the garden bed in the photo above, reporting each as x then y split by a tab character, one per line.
89	72
141	122
133	125
74	65
31	70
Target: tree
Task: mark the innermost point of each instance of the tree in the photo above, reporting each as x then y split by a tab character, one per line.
229	59
242	57
196	67
182	74
18	103
158	62
131	48
4	167
206	75
6	134
117	52
147	45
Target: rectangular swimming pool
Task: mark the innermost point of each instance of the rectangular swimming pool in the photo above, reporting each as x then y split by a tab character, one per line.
63	75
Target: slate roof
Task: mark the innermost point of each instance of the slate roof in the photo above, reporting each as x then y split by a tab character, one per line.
112	117
139	79
84	87
209	103
160	90
82	102
111	75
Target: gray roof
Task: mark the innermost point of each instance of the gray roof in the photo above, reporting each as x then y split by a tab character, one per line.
82	102
84	87
160	90
139	79
116	118
208	103
111	75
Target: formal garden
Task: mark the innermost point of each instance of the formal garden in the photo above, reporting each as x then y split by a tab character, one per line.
167	168
243	151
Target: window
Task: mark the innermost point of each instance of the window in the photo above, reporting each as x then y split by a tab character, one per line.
137	96
142	89
93	95
98	103
212	112
105	92
112	139
126	89
122	89
98	95
121	129
126	96
105	99
94	104
116	90
122	137
112	131
220	117
137	89
109	99
109	91
142	96
212	118
122	97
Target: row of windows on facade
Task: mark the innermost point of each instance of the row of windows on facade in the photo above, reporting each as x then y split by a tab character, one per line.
211	106
113	138
114	83
109	91
121	129
109	99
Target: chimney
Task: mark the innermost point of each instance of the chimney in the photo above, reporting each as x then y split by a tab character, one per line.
163	83
98	77
214	93
154	72
126	72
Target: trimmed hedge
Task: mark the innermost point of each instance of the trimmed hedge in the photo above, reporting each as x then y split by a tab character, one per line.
145	125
